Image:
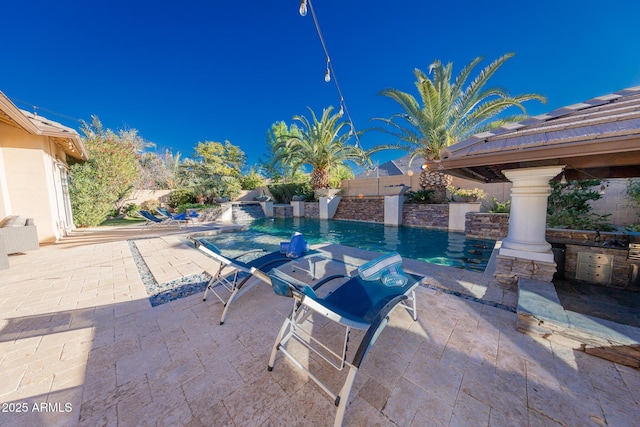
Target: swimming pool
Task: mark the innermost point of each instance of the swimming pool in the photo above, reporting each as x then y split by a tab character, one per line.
424	244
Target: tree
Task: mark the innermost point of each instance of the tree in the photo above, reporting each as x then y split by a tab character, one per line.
214	172
450	112
157	171
224	159
320	145
252	179
109	174
277	169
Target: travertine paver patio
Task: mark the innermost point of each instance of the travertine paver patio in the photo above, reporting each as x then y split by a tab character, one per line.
80	344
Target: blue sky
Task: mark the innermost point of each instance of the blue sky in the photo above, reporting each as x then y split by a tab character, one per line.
189	71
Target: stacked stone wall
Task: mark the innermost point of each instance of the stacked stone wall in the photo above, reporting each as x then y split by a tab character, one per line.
509	269
583	237
283	211
493	226
416	215
312	210
369	209
621	264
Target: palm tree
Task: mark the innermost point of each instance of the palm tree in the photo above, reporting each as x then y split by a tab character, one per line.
319	144
450	113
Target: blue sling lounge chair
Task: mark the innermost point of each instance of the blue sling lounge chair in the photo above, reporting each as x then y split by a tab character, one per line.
154	220
235	283
180	218
362	302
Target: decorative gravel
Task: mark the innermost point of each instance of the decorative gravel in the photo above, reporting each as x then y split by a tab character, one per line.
161	293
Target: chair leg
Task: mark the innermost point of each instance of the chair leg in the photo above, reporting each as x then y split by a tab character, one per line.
279	339
343	398
228	304
206	290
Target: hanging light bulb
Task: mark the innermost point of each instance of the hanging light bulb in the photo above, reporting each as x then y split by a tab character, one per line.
341	112
303	8
327	74
563	181
602	190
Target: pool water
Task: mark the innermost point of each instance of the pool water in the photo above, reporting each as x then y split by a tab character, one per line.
424	244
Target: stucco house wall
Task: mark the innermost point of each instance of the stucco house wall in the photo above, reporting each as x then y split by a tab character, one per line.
33	169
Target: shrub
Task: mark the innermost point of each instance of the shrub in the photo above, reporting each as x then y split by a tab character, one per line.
107	177
471	193
251	181
633	190
282	193
500	207
183	208
569	207
150	205
88	208
229	187
180	196
131	210
420	196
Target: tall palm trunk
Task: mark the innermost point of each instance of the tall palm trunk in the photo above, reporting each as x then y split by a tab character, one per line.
320	178
436	181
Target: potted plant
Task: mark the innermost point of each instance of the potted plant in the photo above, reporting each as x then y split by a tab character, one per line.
326	192
263	197
466	195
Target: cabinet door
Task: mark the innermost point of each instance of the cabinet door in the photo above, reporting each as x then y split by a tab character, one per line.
594	268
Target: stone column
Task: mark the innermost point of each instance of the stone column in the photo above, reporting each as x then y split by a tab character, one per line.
525	251
393	210
328	206
458	212
267	208
298	208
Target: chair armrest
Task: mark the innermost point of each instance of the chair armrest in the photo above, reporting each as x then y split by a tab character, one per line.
260	275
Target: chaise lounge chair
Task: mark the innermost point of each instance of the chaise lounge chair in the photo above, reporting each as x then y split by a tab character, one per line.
154	220
362	302
234	282
180	218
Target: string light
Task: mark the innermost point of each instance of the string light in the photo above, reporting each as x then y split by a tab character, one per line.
330	71
563	181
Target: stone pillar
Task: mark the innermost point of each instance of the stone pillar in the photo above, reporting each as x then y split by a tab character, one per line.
267	208
298	208
393	210
328	206
458	212
525	251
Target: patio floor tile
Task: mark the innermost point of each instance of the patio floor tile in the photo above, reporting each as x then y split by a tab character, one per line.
80	330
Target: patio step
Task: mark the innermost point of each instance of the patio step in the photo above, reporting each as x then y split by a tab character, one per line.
541	313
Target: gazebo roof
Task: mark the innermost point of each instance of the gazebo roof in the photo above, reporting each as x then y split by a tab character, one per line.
599	137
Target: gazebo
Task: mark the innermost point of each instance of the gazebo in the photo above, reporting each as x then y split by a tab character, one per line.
599	138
